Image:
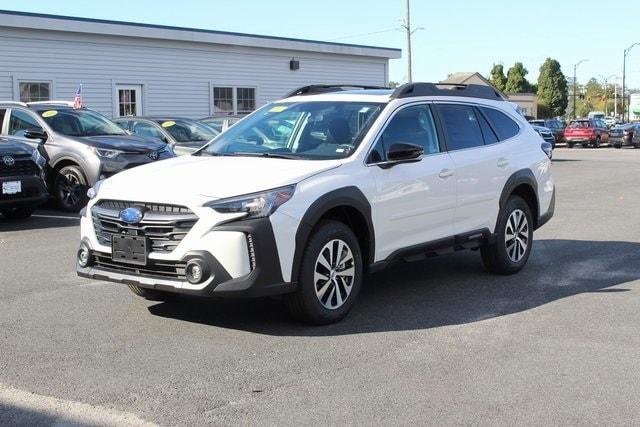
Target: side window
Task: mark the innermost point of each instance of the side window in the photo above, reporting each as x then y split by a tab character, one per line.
503	124
461	126
488	133
2	112
413	125
147	130
21	121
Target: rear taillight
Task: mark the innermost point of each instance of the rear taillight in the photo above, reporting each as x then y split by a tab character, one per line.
547	148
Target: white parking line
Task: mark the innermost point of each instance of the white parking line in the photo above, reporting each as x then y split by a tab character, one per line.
25	408
55	216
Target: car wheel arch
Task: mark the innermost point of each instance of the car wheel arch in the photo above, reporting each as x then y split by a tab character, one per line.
523	183
348	205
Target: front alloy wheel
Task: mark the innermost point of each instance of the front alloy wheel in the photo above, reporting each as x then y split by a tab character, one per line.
334	274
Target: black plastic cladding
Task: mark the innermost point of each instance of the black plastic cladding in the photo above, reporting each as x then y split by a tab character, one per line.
447	89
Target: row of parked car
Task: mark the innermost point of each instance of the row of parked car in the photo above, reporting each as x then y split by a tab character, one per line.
588	132
53	149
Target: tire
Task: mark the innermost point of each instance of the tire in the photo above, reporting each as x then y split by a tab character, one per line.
570	144
70	189
498	257
18	213
596	143
585	145
617	145
324	295
151	294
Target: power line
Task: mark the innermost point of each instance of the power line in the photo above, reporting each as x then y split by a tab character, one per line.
389	30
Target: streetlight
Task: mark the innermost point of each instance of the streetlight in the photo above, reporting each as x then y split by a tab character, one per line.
606	84
624	66
575	68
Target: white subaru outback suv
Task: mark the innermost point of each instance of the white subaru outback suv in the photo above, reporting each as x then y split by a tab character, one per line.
308	194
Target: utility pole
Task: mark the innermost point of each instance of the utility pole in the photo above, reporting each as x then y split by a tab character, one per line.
406	24
624	66
575	89
606	93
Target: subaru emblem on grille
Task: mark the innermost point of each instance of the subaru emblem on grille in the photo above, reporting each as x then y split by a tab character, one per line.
153	155
131	215
8	160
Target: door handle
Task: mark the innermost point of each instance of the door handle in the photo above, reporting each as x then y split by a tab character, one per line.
445	173
503	163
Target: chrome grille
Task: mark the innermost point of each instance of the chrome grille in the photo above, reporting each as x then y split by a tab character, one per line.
164	225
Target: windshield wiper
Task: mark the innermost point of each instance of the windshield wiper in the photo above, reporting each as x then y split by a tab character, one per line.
267	154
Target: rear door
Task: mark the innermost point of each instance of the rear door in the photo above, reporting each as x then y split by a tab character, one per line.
481	162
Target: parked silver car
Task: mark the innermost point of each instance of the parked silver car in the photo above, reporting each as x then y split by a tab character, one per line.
81	146
183	135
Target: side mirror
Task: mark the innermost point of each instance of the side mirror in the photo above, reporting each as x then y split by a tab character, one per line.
401	152
36	134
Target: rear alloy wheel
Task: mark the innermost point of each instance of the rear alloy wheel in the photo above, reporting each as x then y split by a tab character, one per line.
330	275
514	236
18	213
71	189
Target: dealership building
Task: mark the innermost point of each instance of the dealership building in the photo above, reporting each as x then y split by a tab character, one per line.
140	69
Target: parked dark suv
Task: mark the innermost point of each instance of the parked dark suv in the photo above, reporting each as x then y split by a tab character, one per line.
22	186
555	126
81	146
636	136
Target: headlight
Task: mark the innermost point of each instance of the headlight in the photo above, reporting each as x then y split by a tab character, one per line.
107	154
256	205
93	191
38	159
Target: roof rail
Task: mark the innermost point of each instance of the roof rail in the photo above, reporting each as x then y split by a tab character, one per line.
67	103
22	104
316	89
447	89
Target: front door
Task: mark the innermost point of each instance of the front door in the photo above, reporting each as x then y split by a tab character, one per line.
414	202
129	100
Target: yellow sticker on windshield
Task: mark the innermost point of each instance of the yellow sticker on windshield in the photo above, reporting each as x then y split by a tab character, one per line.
49	113
168	124
278	109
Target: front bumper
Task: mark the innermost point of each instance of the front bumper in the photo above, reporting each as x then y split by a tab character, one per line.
34	193
263	278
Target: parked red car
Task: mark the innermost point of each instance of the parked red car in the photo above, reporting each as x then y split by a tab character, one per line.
586	132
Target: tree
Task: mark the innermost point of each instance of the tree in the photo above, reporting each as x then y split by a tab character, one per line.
516	81
498	79
552	88
393	84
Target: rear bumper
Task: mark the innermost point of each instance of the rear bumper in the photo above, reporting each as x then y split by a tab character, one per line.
545	217
34	193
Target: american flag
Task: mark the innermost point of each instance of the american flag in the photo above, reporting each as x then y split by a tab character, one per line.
77	100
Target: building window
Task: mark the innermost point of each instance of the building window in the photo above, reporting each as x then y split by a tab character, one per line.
129	100
246	99
233	100
223	100
35	91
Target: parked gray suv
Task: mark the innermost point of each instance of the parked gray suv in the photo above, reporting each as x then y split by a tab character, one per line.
81	146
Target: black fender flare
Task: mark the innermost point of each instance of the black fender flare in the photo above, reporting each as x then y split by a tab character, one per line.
523	176
350	196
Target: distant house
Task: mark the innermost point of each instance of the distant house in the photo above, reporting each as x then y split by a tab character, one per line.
528	102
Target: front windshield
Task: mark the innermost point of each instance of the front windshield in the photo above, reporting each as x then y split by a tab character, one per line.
304	130
80	122
188	130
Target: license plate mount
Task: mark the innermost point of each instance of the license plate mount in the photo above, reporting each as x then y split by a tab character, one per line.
129	249
12	187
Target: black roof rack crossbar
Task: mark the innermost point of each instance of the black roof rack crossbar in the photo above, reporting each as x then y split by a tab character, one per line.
316	89
447	89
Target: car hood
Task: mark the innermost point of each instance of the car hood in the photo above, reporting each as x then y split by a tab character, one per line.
9	147
194	179
126	143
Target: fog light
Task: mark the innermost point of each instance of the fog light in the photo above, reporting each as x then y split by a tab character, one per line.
196	272
84	256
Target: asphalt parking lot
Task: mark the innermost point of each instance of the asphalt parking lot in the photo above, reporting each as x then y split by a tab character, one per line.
434	342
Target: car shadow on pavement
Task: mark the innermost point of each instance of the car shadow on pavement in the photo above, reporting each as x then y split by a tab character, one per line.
39	221
442	291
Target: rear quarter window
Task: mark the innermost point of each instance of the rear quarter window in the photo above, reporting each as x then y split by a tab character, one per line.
505	126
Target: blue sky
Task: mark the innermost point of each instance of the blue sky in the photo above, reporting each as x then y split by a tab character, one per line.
458	35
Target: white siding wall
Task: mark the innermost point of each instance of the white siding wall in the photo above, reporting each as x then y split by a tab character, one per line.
176	76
